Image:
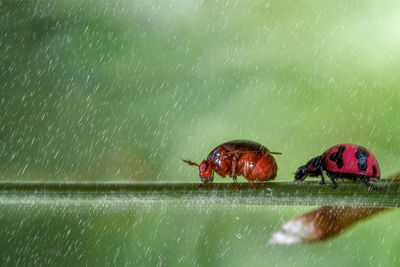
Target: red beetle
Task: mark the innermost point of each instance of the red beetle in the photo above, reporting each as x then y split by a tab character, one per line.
349	161
238	157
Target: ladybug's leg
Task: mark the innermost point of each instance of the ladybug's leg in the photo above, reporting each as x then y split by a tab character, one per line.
333	177
371	185
334	183
322	178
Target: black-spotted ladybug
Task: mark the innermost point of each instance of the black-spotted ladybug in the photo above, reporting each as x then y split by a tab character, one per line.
348	161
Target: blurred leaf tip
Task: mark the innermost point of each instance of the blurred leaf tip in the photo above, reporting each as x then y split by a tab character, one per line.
321	224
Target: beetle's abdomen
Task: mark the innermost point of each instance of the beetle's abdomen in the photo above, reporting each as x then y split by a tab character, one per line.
257	166
351	159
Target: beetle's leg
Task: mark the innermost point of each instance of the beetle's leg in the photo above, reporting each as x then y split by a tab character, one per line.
251	183
233	173
371	185
235	183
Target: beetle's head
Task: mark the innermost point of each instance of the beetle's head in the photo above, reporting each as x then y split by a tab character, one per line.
205	171
301	173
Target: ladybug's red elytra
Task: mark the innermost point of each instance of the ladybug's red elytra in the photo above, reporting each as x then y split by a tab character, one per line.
238	157
348	161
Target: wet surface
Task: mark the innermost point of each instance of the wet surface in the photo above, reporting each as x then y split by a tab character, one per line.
271	193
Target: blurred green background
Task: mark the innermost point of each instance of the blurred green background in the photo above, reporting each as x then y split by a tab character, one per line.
123	90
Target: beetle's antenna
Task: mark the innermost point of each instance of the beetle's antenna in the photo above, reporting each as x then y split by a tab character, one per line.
276	153
190	162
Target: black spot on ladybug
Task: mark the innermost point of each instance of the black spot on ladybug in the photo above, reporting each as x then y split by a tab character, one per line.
337	157
373	171
362	156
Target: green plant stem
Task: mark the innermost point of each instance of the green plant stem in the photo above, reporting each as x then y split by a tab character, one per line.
271	193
